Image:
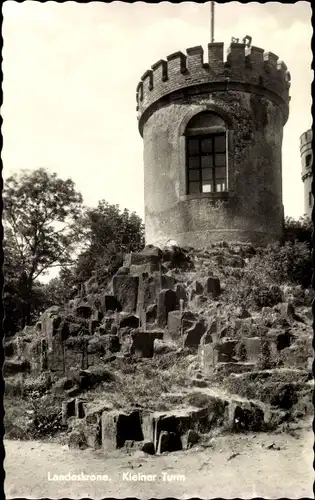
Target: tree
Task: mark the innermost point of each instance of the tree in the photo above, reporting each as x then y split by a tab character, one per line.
109	234
40	214
298	230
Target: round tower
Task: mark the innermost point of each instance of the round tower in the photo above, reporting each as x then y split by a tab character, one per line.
307	161
212	134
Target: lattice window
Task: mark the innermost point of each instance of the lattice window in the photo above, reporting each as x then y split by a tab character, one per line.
206	163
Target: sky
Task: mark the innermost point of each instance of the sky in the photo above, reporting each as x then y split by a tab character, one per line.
71	71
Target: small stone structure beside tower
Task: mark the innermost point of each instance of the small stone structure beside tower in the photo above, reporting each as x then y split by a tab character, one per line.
212	134
307	161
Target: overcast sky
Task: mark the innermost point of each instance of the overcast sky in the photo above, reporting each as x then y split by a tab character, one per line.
70	77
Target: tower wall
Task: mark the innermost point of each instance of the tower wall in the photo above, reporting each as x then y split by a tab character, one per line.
307	161
250	91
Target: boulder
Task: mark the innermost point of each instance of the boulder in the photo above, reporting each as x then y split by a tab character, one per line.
190	439
93	326
196	288
119	427
168	441
150	287
73	303
75	328
50	322
77	439
297	354
242	313
267	385
13	347
143	343
93	376
107	324
284	396
283	340
181	294
125	289
94	411
123	271
110	303
13	366
198	301
167	301
150	251
71	353
177	423
211	335
178	323
146	261
210	355
244	416
212	286
63	384
193	335
286	310
80	407
176	257
104	344
151	313
253	348
90	286
127	320
199	382
148	447
67	410
225	350
162	347
93	435
83	311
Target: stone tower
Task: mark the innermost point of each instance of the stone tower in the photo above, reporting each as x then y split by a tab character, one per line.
212	134
307	161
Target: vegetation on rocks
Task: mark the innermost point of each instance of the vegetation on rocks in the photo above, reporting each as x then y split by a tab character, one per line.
47	226
213	338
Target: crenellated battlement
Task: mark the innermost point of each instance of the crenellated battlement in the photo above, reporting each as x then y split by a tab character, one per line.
247	66
306	139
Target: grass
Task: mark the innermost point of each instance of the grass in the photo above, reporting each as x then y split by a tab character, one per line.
143	382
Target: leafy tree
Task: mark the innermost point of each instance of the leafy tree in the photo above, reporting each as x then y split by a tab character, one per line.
298	230
59	290
40	214
109	234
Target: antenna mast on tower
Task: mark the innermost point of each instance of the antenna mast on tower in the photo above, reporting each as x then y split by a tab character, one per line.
211	22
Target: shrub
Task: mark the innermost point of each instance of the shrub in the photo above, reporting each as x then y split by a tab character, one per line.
280	264
270	267
300	230
47	419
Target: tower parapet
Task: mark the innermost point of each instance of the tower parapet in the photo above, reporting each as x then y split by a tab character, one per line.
212	136
245	68
307	161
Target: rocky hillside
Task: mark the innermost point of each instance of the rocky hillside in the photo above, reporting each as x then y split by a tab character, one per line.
169	352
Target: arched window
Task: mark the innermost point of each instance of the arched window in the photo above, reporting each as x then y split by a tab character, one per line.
308	160
206	154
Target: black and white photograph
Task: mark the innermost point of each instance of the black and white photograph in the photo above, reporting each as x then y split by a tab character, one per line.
157	250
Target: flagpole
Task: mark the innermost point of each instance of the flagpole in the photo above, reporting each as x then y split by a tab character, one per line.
212	22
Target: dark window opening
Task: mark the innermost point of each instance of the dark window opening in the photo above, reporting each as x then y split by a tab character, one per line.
310	199
308	160
206	163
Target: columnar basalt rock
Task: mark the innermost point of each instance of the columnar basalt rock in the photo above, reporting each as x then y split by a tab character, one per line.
245	98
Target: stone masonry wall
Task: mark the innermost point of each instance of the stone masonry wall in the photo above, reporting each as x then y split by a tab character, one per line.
250	90
253	209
